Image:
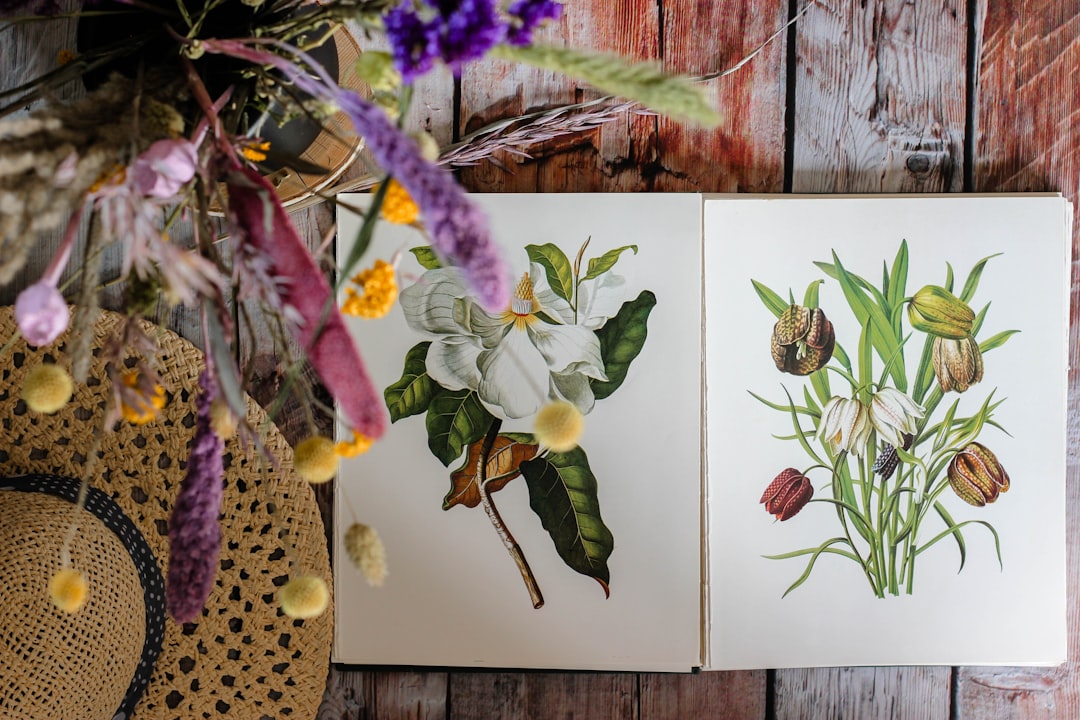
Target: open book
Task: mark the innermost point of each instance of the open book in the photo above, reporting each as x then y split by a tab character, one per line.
818	431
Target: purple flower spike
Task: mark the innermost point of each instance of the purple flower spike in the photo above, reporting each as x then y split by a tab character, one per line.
459	230
528	15
469	29
415	43
194	531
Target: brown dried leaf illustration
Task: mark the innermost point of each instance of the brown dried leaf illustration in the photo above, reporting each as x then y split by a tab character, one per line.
507	454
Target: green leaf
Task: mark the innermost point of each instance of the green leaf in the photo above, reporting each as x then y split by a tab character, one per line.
972	282
898	276
814	555
599	266
810	297
858	280
560	274
953	528
621	339
425	255
997	340
413	392
455	419
228	379
776	304
867	312
563	494
948	277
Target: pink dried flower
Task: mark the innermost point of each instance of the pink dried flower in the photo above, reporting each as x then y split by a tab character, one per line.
164	168
194	531
41	313
40	310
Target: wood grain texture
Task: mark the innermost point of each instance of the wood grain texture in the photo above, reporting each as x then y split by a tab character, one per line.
543	696
714	695
610	159
746	153
880	97
864	693
1028	138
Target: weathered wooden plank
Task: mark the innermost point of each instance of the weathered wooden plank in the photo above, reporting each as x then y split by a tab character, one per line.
879	107
609	159
716	695
1028	138
879	97
864	693
746	153
537	696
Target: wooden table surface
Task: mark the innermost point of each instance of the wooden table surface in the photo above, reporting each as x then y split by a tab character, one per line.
859	96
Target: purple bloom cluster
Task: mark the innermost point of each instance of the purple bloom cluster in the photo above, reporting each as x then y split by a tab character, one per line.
194	531
457	31
459	230
526	16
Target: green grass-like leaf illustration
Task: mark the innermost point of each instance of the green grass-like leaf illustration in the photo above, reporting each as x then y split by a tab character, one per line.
414	391
563	494
621	339
557	267
455	419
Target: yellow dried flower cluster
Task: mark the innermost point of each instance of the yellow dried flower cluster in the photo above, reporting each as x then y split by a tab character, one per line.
146	407
379	284
398	206
255	152
365	549
359	445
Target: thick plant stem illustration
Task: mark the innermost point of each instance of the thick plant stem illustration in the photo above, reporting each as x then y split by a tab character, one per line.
504	533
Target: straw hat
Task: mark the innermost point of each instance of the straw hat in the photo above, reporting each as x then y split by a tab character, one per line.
243	658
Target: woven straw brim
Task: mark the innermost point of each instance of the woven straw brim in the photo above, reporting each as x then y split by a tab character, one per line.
243	658
56	664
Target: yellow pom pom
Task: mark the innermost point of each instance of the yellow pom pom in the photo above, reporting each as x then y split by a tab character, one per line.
47	388
315	460
367	553
222	421
304	597
559	425
68	590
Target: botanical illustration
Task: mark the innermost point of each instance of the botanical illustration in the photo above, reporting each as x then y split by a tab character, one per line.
885	441
569	336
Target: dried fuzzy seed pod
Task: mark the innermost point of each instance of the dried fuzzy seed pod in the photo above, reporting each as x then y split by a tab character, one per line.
559	425
367	553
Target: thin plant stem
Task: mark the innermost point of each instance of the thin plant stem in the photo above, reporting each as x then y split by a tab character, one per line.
497	522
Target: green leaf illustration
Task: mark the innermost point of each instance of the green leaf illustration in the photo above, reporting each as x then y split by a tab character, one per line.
562	492
772	301
413	392
621	339
560	274
972	282
810	297
455	419
996	341
425	255
599	266
898	276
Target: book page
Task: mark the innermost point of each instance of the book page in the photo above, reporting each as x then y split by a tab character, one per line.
886	459
608	317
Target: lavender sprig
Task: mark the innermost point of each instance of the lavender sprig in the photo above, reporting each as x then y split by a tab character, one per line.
194	531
